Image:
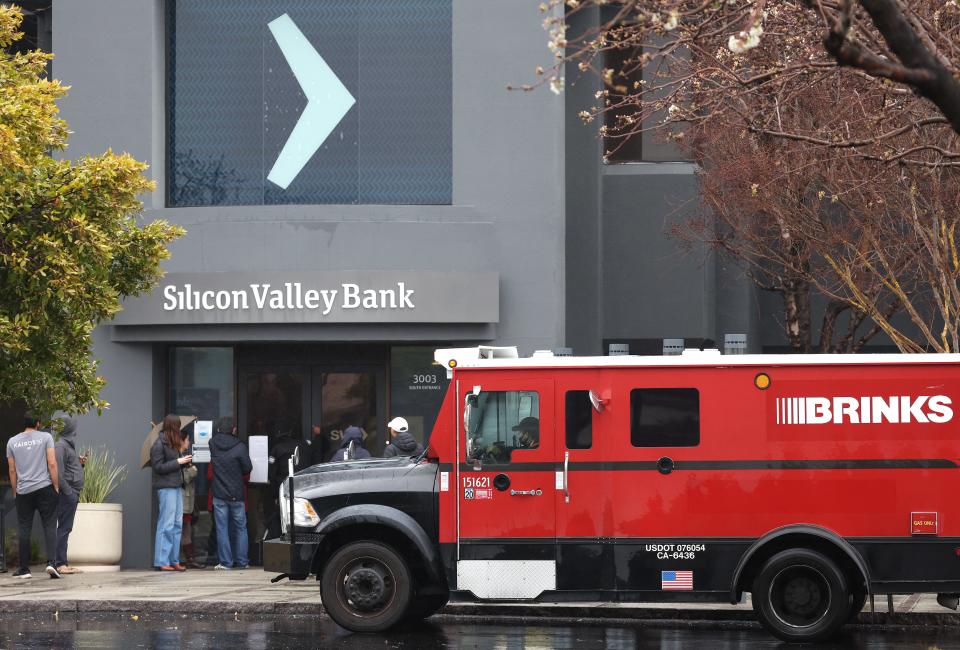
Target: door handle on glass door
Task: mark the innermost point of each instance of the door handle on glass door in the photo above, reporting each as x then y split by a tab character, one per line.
526	493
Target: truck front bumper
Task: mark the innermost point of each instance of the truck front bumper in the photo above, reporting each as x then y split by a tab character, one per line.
295	560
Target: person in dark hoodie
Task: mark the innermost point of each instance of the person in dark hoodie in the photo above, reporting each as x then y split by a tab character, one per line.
70	472
230	462
354	435
401	442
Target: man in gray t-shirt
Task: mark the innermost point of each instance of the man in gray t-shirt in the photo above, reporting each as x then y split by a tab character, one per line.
32	464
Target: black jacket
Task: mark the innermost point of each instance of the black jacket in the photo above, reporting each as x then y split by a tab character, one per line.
167	472
279	461
403	445
230	462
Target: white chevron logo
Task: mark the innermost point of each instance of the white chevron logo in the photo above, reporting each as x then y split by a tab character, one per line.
328	101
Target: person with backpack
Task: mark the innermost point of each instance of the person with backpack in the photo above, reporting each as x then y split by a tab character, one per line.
231	462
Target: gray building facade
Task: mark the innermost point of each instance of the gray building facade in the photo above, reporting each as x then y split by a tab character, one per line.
480	247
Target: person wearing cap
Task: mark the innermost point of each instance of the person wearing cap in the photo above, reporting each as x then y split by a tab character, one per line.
401	443
529	438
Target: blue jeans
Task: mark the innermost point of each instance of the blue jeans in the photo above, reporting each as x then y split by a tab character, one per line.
231	521
166	549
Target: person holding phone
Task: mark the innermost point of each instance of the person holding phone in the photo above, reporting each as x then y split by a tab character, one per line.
167	460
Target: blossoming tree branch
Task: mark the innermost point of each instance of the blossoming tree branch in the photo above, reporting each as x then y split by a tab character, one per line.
825	137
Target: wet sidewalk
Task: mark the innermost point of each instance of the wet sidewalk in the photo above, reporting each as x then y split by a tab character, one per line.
232	593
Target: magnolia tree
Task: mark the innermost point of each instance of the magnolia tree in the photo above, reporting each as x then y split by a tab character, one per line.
827	137
70	243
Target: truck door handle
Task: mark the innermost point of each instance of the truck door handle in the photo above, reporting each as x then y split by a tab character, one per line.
526	493
566	473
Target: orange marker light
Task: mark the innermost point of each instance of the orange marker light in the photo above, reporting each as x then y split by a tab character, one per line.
452	363
762	381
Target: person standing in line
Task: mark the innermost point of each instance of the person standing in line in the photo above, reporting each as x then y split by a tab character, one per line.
70	469
230	462
167	461
319	446
189	499
32	465
355	435
401	443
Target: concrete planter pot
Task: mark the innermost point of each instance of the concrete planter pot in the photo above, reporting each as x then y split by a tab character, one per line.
96	543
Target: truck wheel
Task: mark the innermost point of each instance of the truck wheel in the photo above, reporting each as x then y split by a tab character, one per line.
366	587
857	600
800	595
422	607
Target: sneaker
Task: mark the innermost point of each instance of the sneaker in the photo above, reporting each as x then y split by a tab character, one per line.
22	575
241	568
220	567
52	571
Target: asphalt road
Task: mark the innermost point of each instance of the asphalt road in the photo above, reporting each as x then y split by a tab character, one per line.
133	631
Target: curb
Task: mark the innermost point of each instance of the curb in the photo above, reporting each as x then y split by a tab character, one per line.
470	612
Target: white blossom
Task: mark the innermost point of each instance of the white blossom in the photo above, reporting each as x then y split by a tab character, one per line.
746	40
556	85
672	21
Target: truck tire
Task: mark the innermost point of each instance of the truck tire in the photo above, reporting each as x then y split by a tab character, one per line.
801	595
366	587
857	600
422	607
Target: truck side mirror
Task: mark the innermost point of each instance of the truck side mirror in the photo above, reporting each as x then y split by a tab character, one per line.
598	402
352	450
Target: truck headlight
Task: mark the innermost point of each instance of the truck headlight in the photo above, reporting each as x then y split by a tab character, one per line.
303	513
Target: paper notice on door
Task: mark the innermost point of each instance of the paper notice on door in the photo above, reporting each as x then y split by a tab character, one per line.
559	484
444	481
259	456
202	433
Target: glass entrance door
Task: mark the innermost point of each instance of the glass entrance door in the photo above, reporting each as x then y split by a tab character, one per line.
307	403
344	399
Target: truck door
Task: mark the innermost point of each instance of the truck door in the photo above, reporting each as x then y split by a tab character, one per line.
506	488
584	501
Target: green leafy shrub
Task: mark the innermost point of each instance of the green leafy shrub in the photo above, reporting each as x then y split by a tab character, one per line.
101	475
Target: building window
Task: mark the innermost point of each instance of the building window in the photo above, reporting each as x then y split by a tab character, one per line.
665	417
629	78
627	74
239	124
202	382
579	417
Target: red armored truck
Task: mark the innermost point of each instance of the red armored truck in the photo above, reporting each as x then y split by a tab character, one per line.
808	481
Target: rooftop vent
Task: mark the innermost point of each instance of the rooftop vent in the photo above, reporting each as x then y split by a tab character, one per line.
734	343
672	346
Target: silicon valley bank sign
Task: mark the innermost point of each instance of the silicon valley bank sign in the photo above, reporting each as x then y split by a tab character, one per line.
317	297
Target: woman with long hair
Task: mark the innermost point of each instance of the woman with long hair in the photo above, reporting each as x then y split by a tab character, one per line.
168	461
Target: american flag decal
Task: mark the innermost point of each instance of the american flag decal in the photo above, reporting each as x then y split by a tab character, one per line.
676	580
